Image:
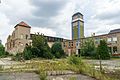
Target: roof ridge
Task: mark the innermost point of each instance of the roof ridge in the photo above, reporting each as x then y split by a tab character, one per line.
22	23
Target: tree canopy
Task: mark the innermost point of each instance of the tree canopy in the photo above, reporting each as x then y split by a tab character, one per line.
40	47
102	50
88	48
57	50
2	50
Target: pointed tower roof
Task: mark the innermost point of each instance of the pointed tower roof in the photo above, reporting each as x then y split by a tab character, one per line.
23	24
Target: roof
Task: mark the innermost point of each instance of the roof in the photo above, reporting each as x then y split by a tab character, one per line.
115	31
23	24
77	14
47	36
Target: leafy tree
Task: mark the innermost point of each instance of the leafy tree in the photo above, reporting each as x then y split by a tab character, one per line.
88	48
57	50
102	50
38	41
2	50
40	44
27	53
35	52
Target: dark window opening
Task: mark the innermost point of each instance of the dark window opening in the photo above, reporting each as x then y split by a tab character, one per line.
114	49
26	36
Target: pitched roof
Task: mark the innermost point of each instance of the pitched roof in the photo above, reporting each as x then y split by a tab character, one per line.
23	24
115	31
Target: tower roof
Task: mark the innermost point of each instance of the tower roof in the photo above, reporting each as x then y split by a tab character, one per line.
77	14
23	24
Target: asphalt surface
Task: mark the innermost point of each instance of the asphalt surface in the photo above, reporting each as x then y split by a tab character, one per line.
33	76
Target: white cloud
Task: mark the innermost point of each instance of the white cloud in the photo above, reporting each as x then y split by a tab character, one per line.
45	31
100	16
5	28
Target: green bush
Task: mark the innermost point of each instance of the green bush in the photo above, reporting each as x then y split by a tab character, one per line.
2	50
102	50
27	54
18	57
88	48
57	50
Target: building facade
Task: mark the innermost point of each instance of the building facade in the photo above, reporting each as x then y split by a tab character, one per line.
77	26
21	37
112	39
73	46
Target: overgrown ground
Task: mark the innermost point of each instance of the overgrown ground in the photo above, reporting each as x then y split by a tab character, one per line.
74	64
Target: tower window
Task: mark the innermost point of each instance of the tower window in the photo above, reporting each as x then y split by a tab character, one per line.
69	44
21	36
26	36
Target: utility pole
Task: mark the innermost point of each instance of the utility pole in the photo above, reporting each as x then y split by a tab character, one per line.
100	63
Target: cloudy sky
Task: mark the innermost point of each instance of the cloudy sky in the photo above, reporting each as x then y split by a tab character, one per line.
53	17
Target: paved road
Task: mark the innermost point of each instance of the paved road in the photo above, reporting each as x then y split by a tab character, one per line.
33	76
19	76
6	61
110	65
70	77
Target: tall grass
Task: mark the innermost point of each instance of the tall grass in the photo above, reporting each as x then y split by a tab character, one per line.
79	66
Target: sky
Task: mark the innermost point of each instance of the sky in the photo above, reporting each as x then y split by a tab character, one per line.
53	17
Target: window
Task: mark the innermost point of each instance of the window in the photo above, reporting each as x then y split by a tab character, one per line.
21	44
77	44
109	39
69	44
97	40
26	36
26	44
114	38
115	49
13	43
64	44
21	36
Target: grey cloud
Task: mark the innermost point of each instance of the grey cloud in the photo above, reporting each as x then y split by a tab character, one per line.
47	8
110	17
41	15
44	11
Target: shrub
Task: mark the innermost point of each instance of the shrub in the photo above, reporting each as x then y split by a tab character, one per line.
57	50
2	50
102	50
27	53
74	60
18	57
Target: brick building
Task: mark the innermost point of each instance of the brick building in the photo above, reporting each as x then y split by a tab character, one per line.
112	39
74	46
21	37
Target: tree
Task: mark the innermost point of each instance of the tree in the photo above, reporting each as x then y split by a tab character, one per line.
38	41
88	48
40	44
102	50
57	50
2	50
27	53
